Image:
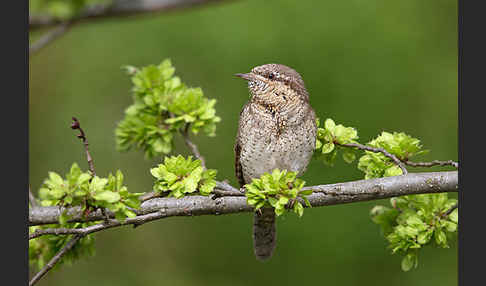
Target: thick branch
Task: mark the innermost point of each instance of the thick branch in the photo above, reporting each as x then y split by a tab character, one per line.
54	260
324	195
120	8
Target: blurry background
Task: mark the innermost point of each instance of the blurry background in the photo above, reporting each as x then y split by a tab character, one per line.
375	65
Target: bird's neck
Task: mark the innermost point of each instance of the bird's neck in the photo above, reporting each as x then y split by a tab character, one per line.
291	111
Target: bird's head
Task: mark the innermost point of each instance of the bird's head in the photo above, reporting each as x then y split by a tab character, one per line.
275	85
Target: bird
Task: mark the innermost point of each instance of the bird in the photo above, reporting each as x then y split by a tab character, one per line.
276	129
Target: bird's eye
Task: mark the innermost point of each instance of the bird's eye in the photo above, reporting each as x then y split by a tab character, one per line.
270	76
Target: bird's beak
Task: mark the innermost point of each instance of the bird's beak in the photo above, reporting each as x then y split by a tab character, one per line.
245	76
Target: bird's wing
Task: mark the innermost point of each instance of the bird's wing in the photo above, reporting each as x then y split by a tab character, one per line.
238	169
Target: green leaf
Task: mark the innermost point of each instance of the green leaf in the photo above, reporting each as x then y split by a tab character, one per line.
440	238
55	179
57	193
424	237
453	216
272	201
283	200
162	106
83	178
279	210
349	156
107	196
63	218
306	192
329	124
307	203
393	171
97	184
275	190
298	209
129	213
207	187
327	148
450	226
408	262
180	176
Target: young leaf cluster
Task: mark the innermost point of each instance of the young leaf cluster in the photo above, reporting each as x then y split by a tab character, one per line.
179	176
328	139
377	165
63	9
415	221
82	189
277	190
43	248
78	188
162	106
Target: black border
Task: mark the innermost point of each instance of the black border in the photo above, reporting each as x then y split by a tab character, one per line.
460	250
14	139
472	194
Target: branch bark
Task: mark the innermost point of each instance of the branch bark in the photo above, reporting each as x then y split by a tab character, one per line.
192	146
75	125
394	158
324	195
54	260
32	200
433	163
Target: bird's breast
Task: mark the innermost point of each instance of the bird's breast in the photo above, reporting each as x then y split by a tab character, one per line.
265	146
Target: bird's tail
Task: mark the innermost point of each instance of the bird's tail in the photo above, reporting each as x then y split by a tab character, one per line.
264	235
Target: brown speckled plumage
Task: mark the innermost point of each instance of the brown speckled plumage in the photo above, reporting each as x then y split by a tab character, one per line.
277	129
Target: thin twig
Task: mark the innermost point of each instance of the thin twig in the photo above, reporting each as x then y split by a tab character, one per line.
136	221
433	163
49	37
450	210
149	195
55	231
223	189
394	158
192	146
75	125
32	200
54	259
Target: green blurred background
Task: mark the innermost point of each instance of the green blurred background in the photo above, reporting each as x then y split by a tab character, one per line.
376	65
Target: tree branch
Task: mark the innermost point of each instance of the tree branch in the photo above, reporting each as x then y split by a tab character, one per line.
324	195
54	260
119	8
449	211
397	161
433	163
76	126
192	146
32	200
377	150
49	37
